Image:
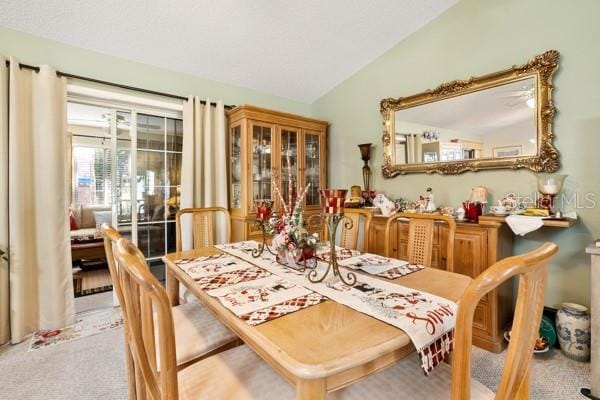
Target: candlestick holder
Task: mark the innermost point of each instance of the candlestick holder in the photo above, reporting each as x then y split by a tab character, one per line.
365	155
332	222
263	215
257	252
333	213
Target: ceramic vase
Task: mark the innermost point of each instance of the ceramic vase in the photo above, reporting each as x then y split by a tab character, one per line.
573	330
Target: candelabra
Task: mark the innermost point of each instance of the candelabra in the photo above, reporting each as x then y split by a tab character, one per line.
333	214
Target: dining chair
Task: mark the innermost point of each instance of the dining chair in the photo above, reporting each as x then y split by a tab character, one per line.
237	373
405	380
349	238
203	223
421	228
110	237
350	233
198	333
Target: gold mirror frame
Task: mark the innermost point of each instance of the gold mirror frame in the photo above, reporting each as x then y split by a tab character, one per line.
542	67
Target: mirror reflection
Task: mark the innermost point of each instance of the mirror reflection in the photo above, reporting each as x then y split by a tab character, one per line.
497	122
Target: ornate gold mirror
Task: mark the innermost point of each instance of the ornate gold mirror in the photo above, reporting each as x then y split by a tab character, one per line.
499	120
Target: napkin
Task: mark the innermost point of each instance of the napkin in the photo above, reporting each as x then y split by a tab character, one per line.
522	225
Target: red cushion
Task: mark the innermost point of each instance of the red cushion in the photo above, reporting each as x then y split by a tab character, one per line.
72	220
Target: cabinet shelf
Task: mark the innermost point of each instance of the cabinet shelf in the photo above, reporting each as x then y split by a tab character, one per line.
555	223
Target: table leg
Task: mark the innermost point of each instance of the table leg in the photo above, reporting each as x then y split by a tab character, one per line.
172	286
313	389
593	392
449	359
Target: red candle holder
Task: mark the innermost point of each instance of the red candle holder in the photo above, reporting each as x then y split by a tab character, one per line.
332	201
473	210
263	209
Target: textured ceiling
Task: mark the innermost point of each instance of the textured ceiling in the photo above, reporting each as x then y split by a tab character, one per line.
298	49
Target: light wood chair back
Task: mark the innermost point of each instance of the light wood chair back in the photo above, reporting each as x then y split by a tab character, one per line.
349	236
203	223
147	304
531	268
420	237
111	236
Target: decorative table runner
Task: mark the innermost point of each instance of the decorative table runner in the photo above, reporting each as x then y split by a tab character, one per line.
427	319
251	293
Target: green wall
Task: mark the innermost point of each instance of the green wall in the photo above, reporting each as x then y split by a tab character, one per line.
35	50
472	38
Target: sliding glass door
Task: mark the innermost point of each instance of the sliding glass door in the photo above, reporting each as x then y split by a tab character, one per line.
159	144
126	171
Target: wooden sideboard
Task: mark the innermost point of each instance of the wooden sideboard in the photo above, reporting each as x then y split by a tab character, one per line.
476	247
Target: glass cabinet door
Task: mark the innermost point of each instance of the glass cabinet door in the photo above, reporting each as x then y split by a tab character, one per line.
236	166
262	140
289	165
312	167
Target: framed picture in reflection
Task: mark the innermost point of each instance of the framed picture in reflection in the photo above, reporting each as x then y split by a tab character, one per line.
507	151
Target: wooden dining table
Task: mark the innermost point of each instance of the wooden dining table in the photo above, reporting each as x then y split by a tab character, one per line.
324	347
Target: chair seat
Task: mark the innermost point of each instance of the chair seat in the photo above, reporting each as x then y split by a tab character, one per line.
406	380
237	374
186	296
197	332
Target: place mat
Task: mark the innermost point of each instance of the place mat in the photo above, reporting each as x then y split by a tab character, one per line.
247	297
231	278
374	264
340	253
201	267
427	319
279	310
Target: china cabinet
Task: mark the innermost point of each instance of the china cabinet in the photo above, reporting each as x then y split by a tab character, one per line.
476	248
266	148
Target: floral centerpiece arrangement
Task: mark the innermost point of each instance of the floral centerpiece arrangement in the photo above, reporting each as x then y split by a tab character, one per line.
291	240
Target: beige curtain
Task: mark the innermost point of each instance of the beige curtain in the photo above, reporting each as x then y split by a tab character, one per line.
40	281
410	149
4	286
204	162
418	148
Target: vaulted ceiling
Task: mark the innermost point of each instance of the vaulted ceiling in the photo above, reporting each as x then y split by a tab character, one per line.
298	49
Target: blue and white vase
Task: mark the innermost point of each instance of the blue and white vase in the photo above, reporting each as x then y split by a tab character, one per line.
574	330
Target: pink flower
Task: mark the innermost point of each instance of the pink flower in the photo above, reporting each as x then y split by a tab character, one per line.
291	246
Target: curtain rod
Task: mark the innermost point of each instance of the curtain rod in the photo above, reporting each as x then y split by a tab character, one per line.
84	78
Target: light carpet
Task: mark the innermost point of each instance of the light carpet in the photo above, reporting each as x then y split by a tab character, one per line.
553	376
93	367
